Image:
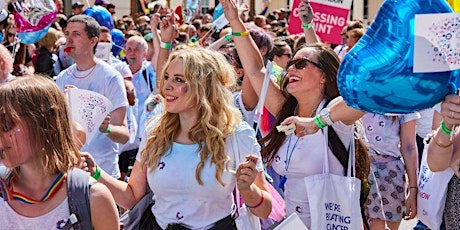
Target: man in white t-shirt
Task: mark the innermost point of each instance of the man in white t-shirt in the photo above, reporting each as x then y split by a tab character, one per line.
93	74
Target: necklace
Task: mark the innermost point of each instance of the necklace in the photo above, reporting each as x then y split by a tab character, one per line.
74	72
288	161
8	194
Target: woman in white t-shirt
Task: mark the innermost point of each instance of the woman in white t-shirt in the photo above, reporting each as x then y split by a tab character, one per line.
186	156
310	81
39	154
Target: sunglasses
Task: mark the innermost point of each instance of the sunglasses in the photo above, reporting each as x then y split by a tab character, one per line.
289	55
301	63
11	34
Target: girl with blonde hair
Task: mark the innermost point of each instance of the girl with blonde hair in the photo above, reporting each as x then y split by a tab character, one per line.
187	156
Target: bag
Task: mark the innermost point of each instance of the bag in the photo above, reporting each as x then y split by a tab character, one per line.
432	192
362	164
278	209
140	215
245	220
334	199
78	199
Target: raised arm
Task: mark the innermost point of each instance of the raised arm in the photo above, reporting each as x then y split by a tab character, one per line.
154	22
251	58
167	27
306	16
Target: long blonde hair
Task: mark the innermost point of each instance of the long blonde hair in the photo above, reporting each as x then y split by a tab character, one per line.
209	77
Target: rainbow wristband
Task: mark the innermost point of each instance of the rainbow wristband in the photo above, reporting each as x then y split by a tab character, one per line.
165	45
319	122
239	34
444	129
97	174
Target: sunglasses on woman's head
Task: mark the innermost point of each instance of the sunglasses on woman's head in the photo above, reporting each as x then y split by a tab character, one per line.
301	63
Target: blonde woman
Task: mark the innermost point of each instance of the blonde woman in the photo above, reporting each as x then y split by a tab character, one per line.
186	156
38	150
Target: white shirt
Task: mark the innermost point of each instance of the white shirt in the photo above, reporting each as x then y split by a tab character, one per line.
178	196
302	157
107	81
10	219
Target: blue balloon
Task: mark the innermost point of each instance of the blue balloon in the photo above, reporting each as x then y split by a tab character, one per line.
377	73
118	41
33	37
101	14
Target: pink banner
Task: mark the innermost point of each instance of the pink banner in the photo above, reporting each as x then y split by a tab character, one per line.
329	21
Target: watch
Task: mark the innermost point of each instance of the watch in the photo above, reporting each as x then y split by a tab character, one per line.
326	115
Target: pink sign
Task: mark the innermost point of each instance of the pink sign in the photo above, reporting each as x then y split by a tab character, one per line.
329	19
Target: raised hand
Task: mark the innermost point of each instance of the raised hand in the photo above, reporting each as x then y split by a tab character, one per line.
305	12
230	9
167	28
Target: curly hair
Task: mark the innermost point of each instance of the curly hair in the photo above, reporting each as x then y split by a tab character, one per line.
209	77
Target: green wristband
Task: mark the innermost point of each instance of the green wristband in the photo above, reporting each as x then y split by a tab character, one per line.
308	26
165	45
239	34
228	37
319	122
107	131
444	129
97	174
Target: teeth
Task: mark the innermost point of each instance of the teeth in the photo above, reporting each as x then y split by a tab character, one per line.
171	98
294	78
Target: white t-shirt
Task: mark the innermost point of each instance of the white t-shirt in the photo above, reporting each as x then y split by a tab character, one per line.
425	122
142	85
304	157
248	116
105	80
383	134
178	196
120	66
10	219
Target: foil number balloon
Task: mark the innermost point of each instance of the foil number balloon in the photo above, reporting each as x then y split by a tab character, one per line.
377	74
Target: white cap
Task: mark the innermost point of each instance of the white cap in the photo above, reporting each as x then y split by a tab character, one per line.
3	15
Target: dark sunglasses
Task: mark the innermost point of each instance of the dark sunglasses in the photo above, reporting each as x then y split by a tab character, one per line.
11	34
289	55
301	63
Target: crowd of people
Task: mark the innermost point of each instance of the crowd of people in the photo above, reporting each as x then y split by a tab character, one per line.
185	123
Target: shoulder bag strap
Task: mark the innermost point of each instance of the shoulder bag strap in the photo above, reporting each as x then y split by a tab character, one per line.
78	199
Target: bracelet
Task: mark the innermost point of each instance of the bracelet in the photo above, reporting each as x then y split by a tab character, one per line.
439	144
444	129
228	37
165	45
257	205
308	26
319	122
239	34
107	131
97	174
413	187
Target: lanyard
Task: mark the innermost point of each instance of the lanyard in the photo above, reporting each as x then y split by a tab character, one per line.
8	195
288	160
289	154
